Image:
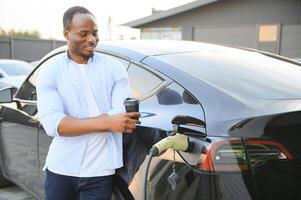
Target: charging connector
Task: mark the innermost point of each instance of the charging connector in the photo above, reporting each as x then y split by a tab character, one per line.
178	142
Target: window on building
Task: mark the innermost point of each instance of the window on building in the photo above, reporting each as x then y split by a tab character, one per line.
267	33
164	33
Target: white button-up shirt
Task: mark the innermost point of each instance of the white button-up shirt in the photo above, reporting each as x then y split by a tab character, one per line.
61	91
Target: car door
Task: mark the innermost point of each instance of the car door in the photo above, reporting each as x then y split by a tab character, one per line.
161	99
158	107
19	137
43	140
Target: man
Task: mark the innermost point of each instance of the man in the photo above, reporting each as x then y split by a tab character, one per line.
80	104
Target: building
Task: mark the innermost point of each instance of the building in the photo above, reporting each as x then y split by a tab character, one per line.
268	25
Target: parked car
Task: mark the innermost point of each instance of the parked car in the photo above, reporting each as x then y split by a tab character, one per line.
249	102
34	63
14	72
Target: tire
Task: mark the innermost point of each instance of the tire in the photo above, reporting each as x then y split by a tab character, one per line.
117	195
4	182
120	190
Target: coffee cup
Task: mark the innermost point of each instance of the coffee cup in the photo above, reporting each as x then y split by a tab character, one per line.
131	104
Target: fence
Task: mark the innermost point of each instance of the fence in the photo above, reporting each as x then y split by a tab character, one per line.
26	49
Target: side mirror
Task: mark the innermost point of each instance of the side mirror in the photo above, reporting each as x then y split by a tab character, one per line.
6	95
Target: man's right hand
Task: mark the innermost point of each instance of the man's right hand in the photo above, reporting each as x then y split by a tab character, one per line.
124	122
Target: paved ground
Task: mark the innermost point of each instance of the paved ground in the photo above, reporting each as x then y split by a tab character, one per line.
14	193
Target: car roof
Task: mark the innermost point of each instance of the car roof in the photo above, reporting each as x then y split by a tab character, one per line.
139	49
158	47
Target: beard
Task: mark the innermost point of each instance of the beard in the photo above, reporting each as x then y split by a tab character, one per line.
87	55
75	55
83	54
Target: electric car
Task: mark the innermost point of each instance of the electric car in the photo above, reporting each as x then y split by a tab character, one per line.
239	108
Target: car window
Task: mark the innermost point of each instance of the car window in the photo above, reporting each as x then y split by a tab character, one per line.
166	104
244	74
28	90
142	81
124	62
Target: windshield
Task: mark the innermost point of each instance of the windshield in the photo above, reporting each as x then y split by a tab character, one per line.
241	73
16	69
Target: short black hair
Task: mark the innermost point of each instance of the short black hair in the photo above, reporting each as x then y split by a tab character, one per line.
68	15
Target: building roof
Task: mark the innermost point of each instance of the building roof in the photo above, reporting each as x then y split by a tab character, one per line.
167	13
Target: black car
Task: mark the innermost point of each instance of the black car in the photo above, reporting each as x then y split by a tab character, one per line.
248	102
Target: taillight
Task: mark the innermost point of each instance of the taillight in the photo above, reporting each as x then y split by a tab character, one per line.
224	156
262	150
232	155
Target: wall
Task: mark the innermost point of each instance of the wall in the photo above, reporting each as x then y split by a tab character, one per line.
235	22
26	49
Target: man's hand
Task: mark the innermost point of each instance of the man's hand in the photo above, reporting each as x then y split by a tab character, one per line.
124	122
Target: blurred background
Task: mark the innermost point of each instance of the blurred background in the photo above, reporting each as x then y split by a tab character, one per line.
30	29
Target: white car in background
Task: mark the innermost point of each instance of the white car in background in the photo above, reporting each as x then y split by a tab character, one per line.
298	60
14	72
34	63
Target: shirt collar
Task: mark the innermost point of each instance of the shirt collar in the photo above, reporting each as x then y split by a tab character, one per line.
67	58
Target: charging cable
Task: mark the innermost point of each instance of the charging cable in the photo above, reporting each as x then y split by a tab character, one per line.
177	142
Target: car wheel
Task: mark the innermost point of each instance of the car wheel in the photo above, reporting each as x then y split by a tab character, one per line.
4	182
117	195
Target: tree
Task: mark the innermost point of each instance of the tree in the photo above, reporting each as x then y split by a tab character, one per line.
26	34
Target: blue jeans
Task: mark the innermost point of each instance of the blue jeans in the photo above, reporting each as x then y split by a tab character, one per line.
60	187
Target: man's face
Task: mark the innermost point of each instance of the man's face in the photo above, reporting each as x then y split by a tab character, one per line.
82	36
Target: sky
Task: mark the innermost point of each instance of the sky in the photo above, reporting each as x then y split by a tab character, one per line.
45	16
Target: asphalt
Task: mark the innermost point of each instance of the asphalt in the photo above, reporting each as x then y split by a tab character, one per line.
15	193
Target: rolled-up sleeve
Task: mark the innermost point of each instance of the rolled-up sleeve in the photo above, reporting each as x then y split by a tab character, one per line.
121	89
49	102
